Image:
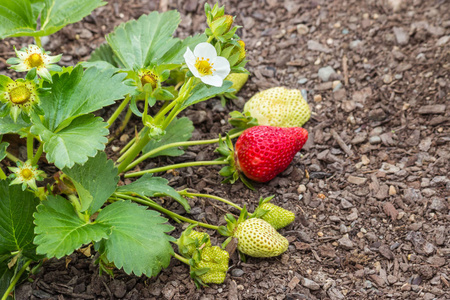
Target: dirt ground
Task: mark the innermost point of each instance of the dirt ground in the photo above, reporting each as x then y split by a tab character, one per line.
371	187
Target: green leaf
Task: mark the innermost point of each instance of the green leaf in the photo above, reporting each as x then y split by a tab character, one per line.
203	92
138	241
7	125
149	186
19	18
3	147
59	13
59	230
77	93
136	44
75	143
94	181
16	219
179	130
175	54
6	274
103	53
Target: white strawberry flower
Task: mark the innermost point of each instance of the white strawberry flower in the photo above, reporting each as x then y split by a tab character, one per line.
35	57
206	65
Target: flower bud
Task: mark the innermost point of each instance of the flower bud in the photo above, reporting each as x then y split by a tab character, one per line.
221	25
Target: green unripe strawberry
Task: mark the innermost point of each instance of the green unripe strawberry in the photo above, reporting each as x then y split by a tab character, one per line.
199	236
190	240
279	107
238	80
277	216
216	260
258	238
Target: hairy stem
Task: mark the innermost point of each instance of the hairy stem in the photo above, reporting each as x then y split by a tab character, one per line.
15	280
118	111
38	41
169	213
181	258
184	193
12	158
177	166
38	154
30	140
177	144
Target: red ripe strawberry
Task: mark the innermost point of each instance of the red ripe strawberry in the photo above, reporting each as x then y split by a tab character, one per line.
262	152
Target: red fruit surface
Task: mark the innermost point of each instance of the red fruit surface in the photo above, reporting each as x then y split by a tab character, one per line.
262	152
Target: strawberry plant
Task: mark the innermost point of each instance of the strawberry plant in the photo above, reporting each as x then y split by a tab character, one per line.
141	71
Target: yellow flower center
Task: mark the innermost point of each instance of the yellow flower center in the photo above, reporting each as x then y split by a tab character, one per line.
203	66
27	174
149	78
35	60
20	95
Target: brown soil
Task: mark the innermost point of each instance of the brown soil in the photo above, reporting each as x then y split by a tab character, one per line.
370	189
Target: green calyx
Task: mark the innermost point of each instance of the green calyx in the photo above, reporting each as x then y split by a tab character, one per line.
232	224
241	121
273	214
191	240
230	172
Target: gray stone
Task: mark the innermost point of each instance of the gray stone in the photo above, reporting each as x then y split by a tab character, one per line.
401	36
315	46
346	204
438	204
335	294
374	140
355	44
443	40
237	272
308	283
326	72
302	80
346	243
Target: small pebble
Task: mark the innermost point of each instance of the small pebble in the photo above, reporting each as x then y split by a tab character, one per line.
317	98
237	272
302	81
374	140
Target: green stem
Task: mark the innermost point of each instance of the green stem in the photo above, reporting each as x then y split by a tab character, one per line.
167	212
172	145
38	154
181	258
30	140
77	204
118	111
210	39
177	166
12	157
15	280
126	147
38	41
212	197
2	174
134	151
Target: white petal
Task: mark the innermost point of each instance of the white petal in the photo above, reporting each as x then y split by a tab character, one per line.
54	59
222	67
34	49
22	55
189	57
212	80
205	50
20	67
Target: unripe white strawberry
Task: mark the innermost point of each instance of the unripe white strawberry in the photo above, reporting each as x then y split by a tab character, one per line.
279	107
